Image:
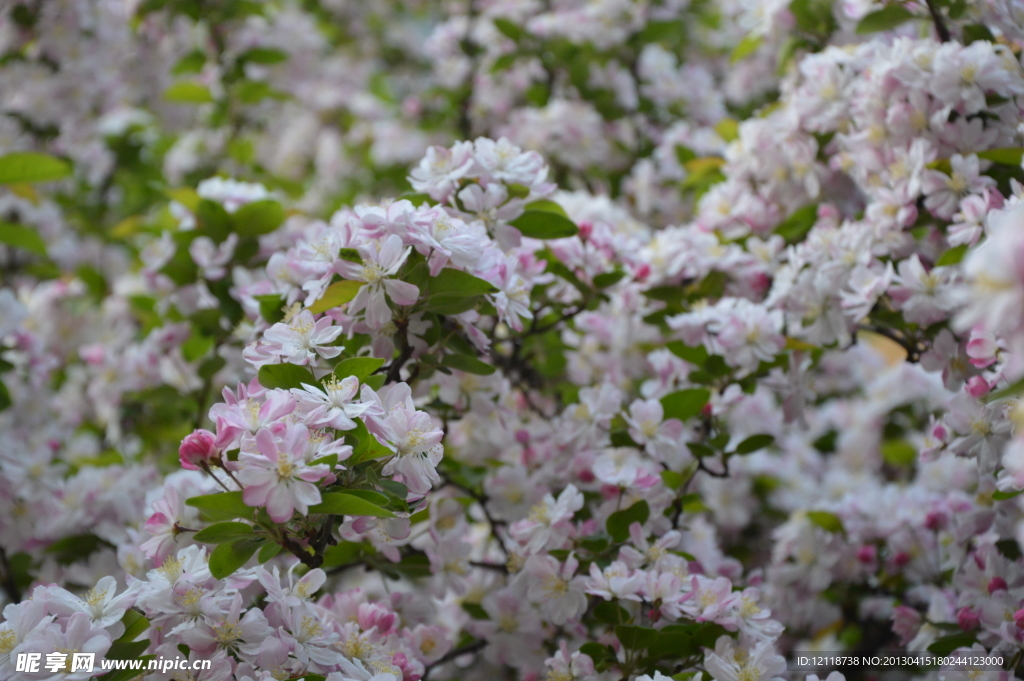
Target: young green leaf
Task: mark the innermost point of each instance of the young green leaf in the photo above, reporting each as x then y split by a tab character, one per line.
471	365
258	218
542	224
685	404
219	533
227	558
827	521
31	166
348	503
338	293
885	19
188	92
754	443
360	367
20	236
223	503
618	523
285	376
450	280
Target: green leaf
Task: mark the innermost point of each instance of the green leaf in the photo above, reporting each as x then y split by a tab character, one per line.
349	503
342	553
31	166
754	443
367	446
827	521
952	257
471	365
947	644
746	47
610	612
543	224
673	643
20	236
618	523
271	307
885	19
694	355
1003	496
269	550
635	638
899	453
504	62
263	55
796	226
223	503
338	293
135	623
685	404
376	382
192	62
1009	548
350	255
548	206
214	220
126	650
975	32
258	218
227	558
608	279
451	303
475	611
360	367
285	376
699	450
509	29
219	533
255	91
77	547
672	479
728	129
188	92
210	366
1010	157
196	346
450	280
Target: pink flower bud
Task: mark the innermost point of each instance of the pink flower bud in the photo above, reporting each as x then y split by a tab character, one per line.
967	619
1018	618
977	386
867	553
997	583
197	448
935	520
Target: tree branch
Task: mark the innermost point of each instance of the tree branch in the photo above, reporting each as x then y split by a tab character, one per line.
452	654
940	24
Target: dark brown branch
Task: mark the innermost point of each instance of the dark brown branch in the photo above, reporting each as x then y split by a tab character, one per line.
940	24
394	374
482	500
451	655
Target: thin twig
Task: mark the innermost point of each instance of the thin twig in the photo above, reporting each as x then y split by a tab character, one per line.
940	24
451	655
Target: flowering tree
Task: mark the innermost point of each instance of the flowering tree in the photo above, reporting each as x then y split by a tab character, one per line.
594	341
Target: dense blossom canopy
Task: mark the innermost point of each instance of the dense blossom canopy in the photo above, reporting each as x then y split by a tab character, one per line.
604	340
